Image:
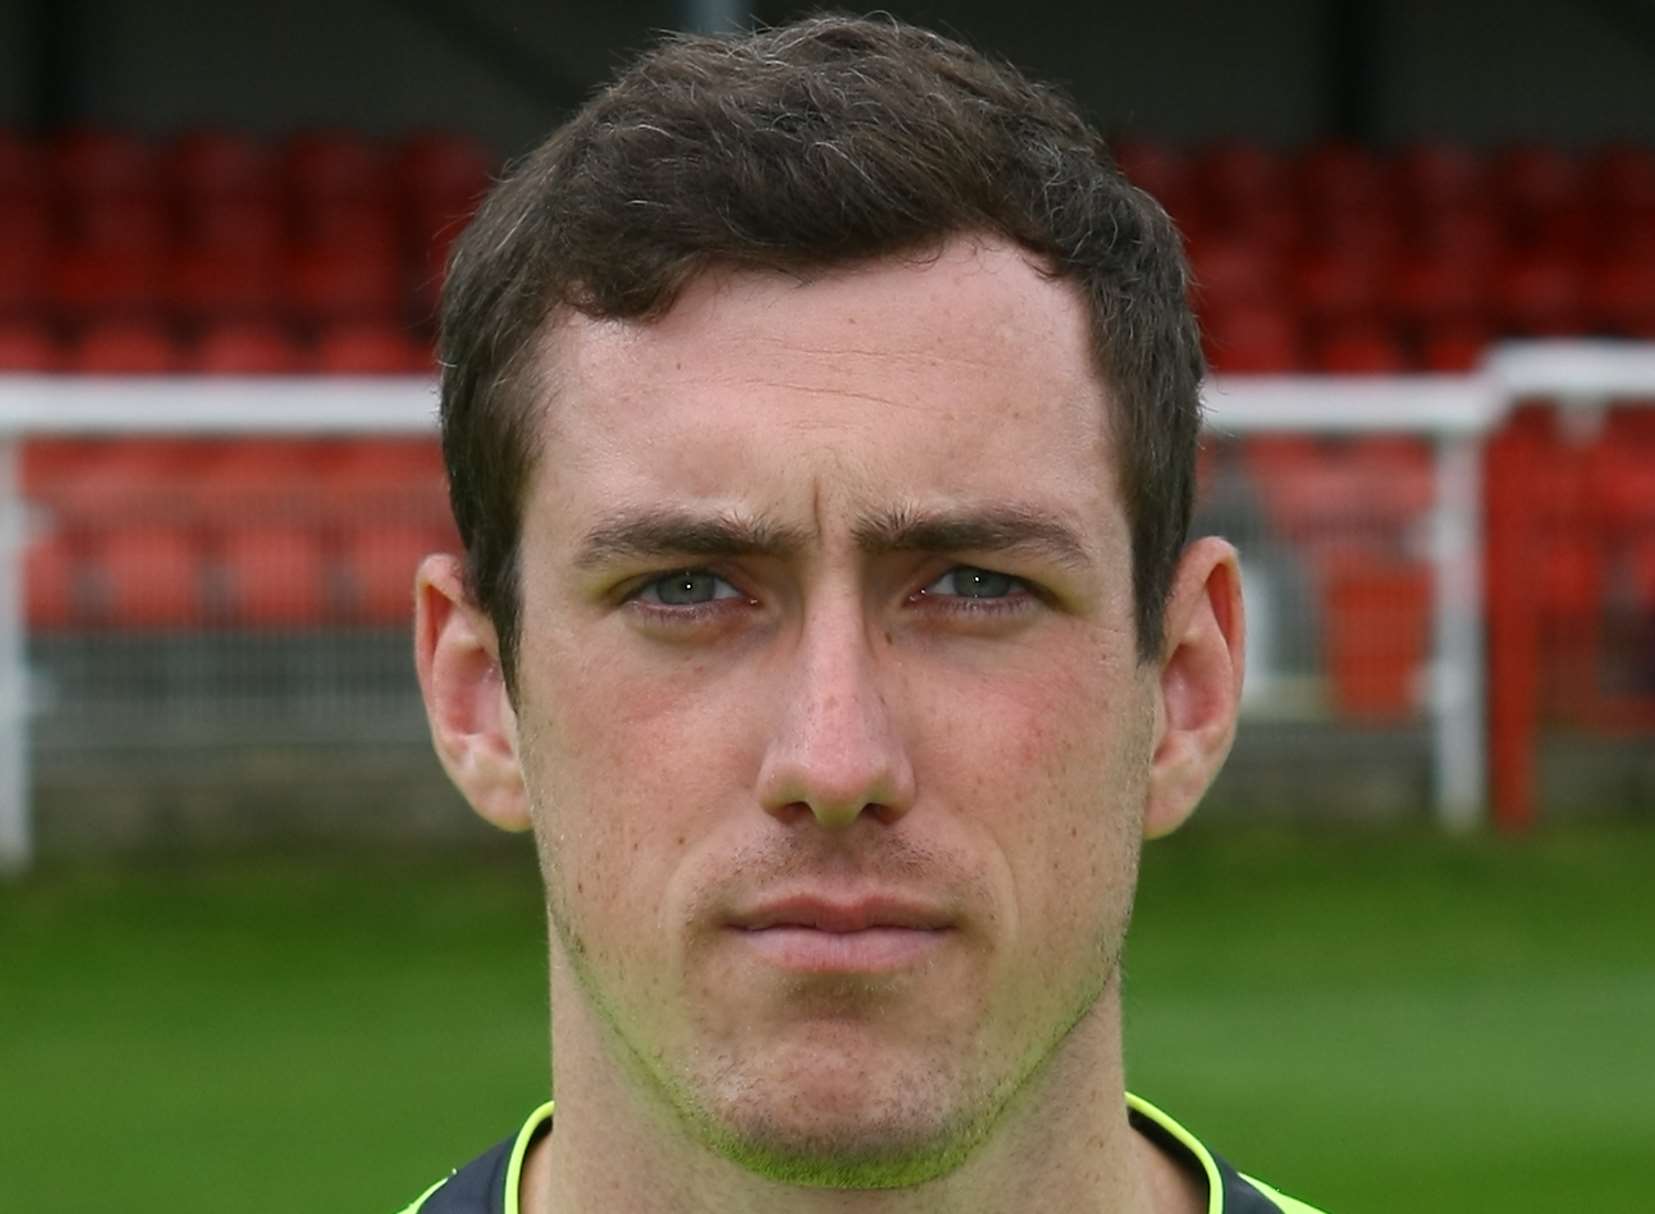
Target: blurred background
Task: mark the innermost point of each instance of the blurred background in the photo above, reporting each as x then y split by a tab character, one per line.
250	941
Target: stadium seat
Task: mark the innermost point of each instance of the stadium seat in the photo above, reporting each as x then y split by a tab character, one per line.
1361	347
221	166
328	283
1335	285
121	225
274	576
248	348
1433	288
370	349
1232	274
381	560
1253	341
125	347
249	227
147	576
89	282
50	573
207	284
1541	296
1235	176
1342	177
1534	178
1437	176
29	347
441	170
87	164
1450	349
27	222
1164	172
1622	178
24	280
1620	296
323	168
1378	628
22	168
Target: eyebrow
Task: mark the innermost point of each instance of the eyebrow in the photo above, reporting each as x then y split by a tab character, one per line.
663	531
660	532
1000	528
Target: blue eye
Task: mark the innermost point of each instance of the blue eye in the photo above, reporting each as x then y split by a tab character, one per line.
686	588
969	582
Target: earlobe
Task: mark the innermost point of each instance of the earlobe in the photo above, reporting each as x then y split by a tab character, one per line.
473	726
1199	683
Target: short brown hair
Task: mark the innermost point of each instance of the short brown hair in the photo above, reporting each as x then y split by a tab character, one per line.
828	141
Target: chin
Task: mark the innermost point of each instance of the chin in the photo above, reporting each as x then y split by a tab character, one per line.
845	1122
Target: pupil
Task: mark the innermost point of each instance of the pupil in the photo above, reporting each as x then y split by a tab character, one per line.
983	584
687	587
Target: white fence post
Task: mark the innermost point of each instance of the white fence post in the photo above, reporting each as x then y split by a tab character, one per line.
16	837
1457	692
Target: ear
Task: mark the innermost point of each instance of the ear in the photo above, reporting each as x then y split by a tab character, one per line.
1198	690
473	725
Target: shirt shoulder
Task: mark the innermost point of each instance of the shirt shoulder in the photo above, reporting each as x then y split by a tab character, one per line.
489	1183
1232	1192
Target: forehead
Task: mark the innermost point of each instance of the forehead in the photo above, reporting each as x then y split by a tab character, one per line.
941	378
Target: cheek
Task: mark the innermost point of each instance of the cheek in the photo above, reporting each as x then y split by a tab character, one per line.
623	770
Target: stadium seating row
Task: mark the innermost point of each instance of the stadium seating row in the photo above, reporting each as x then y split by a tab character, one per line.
149	347
1335	258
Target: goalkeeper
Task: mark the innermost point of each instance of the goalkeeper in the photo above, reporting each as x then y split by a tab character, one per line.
820	409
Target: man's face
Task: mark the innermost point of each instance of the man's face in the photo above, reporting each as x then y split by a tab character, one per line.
828	706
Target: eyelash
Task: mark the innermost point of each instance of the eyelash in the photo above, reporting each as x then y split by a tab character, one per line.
1021	597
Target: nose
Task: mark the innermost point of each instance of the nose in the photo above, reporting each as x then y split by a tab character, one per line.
835	750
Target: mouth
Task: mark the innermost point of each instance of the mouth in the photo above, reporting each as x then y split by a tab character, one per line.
811	935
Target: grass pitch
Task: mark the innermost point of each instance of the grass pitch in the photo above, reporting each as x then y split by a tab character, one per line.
1373	1022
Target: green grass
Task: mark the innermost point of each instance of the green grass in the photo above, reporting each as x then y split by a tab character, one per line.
1376	1023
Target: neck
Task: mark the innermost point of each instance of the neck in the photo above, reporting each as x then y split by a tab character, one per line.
1064	1142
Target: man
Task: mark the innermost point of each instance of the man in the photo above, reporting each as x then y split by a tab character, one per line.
820	409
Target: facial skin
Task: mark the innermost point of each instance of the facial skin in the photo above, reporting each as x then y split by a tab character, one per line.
827	601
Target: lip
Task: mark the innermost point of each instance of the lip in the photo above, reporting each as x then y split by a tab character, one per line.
868	935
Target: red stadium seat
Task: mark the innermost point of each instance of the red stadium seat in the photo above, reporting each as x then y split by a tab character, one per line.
361	227
1338	286
121	225
27	222
248	348
148	576
22	168
1342	177
329	167
1542	296
1164	172
1234	177
442	169
217	165
1361	348
1620	296
103	164
1623	178
1432	289
1453	348
24	280
1535	179
1642	567
205	284
125	347
1438	176
90	282
1462	234
332	284
275	576
382	560
1253	340
50	574
29	347
239	226
1378	637
370	349
48	463
1231	274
